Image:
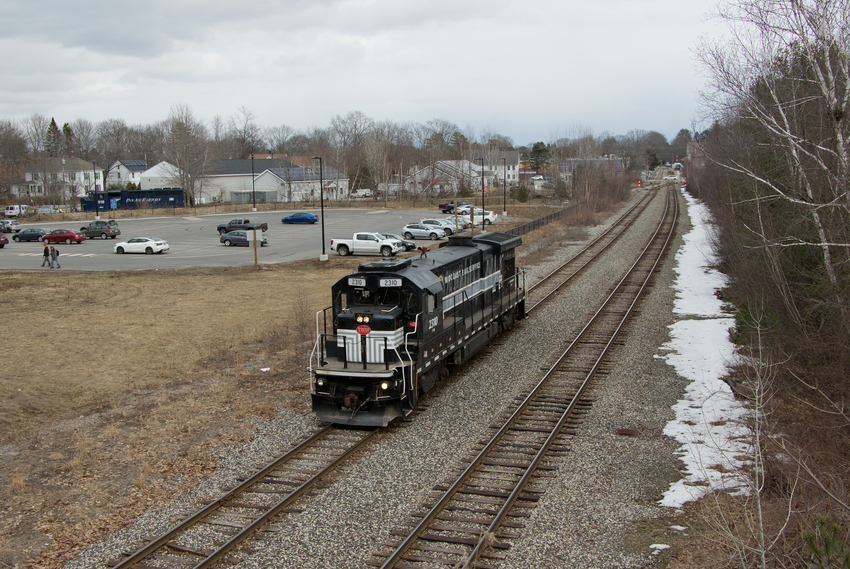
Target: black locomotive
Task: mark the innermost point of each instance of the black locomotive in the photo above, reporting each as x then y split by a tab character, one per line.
400	325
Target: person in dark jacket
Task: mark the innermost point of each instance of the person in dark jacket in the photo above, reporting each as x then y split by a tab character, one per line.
54	256
46	256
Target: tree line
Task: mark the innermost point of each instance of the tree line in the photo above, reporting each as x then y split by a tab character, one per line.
775	169
369	152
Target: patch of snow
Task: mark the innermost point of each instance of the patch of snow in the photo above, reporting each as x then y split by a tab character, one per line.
710	423
658	547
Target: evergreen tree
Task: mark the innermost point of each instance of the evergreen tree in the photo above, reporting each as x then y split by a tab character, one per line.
539	157
67	140
54	142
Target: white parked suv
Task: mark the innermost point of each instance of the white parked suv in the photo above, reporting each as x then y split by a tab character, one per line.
10	226
449	228
487	217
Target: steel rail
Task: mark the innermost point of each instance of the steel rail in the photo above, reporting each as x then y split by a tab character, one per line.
402	549
244	486
624	220
503	512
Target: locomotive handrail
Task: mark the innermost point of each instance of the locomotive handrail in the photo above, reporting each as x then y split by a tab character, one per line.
319	341
402	365
466	304
407	351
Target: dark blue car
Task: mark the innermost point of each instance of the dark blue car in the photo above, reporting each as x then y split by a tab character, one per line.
300	217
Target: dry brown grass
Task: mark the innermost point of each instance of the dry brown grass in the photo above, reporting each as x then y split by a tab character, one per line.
88	339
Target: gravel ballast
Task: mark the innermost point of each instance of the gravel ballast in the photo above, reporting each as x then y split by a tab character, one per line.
594	511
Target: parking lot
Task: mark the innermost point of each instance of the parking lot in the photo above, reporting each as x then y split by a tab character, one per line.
194	241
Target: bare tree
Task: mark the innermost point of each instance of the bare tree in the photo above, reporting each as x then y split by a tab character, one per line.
277	137
788	60
349	135
146	142
187	151
35	130
13	153
112	140
85	139
245	133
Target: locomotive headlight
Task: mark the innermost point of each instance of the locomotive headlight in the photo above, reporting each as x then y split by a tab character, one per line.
320	382
385	385
359	319
366	319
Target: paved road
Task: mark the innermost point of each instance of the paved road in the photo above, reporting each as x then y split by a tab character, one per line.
194	241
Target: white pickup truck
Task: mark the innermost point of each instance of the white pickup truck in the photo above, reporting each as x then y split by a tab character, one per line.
367	244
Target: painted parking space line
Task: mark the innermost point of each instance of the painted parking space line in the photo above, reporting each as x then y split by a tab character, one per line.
60	254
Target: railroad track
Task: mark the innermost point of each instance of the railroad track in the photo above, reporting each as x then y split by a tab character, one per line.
543	289
473	516
237	515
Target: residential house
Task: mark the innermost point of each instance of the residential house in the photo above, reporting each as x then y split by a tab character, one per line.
58	180
223	177
122	172
505	165
162	175
448	177
166	176
295	184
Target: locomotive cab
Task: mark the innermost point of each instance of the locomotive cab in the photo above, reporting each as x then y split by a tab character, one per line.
366	370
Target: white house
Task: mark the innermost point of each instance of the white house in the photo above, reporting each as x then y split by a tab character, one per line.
448	177
162	175
296	185
505	166
166	175
223	177
59	180
123	171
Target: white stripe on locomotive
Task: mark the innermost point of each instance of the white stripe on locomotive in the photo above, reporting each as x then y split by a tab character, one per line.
472	290
374	344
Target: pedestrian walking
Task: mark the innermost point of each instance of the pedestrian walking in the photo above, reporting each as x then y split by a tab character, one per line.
46	256
54	256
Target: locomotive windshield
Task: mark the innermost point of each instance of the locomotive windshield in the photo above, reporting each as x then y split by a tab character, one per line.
365	297
362	296
388	296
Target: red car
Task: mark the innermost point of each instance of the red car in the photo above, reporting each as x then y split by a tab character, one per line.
63	236
3	240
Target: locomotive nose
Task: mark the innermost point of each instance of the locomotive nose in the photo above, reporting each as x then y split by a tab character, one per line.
352	400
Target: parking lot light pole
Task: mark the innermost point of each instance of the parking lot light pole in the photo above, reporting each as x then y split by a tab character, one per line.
324	256
253	193
482	195
505	187
94	187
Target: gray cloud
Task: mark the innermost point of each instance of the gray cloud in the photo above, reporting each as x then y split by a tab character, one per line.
534	68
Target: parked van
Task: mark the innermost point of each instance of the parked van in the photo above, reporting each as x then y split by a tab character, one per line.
15	210
361	193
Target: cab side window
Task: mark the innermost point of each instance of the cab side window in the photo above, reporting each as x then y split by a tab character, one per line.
412	302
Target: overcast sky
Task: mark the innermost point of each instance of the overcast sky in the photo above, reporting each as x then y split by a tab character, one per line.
531	70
